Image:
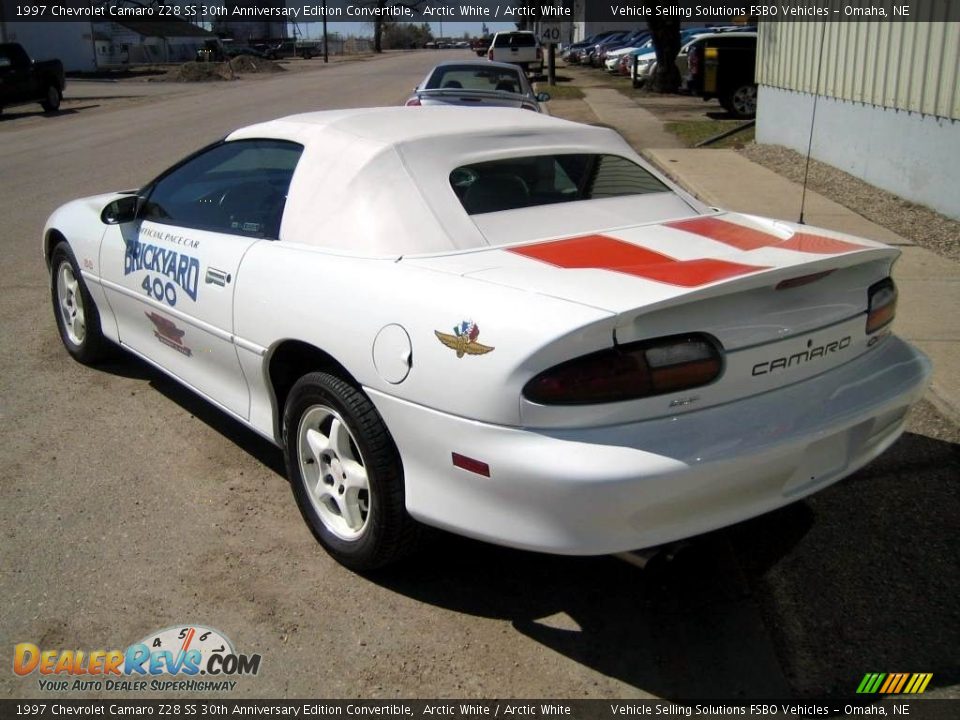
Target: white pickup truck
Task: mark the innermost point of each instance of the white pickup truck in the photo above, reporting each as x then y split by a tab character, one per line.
519	47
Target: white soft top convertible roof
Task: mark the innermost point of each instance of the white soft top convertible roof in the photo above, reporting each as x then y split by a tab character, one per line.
375	181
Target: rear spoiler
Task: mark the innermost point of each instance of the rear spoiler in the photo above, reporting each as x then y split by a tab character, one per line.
448	92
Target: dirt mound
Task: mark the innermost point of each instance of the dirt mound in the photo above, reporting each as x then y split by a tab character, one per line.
252	64
202	72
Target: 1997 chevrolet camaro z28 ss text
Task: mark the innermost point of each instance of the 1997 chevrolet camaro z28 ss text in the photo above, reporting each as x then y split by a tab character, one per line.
494	322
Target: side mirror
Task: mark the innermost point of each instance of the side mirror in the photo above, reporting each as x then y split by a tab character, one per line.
122	210
543	97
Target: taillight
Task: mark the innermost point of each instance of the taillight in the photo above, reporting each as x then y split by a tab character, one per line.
539	54
693	61
882	304
490	53
627	372
414	102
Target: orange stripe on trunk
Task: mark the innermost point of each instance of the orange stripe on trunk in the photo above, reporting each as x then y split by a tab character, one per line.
600	252
745	238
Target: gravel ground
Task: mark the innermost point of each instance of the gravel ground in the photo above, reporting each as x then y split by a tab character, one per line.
923	226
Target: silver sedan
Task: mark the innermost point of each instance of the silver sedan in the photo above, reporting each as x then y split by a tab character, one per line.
477	83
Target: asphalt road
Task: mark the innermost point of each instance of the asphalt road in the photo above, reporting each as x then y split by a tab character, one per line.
128	505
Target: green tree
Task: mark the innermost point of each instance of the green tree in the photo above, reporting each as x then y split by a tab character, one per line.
405	35
381	22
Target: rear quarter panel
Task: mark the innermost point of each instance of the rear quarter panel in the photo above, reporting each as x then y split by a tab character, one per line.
339	304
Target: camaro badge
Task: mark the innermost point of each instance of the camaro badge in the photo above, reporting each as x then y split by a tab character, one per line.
464	339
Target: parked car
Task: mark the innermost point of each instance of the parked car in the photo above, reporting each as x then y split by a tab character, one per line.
645	63
573	53
619	58
24	81
217	50
499	323
630	39
519	47
477	84
480	45
291	48
723	66
590	54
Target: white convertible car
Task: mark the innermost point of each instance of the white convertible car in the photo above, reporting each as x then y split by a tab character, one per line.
498	323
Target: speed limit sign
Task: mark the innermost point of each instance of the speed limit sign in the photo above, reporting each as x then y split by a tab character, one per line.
549	33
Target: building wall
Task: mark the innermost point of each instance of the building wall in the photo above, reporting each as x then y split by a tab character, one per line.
69	42
889	104
909	154
911	66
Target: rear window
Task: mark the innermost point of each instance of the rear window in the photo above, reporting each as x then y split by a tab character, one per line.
515	40
545	179
472	77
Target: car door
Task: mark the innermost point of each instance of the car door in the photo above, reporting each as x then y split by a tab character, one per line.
169	275
14	79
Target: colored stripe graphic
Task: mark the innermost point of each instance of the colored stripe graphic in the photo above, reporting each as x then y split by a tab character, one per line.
865	683
894	683
600	252
875	685
745	238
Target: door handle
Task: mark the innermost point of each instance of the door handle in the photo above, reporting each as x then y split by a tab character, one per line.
217	277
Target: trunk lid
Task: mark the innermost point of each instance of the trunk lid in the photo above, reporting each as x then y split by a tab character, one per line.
786	302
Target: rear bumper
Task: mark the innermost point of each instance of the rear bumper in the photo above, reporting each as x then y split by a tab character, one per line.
609	489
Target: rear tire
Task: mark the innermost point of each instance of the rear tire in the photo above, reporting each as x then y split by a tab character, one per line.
346	473
741	102
51	103
77	318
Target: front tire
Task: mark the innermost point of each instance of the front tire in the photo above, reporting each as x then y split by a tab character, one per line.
77	318
346	473
51	103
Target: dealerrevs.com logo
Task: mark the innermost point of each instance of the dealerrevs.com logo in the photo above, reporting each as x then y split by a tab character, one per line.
178	658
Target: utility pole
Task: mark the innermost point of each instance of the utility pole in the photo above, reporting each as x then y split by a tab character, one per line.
3	23
326	54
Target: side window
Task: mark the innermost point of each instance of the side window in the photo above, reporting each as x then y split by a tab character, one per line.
237	187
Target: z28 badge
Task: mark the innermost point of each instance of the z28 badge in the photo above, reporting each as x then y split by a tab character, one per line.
464	339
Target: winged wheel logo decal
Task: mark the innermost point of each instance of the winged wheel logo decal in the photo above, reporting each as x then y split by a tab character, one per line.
464	339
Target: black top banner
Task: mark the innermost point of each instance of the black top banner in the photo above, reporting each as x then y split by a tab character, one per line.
629	12
500	709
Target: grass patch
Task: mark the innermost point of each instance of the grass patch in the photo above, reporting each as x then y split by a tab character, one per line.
693	131
560	92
